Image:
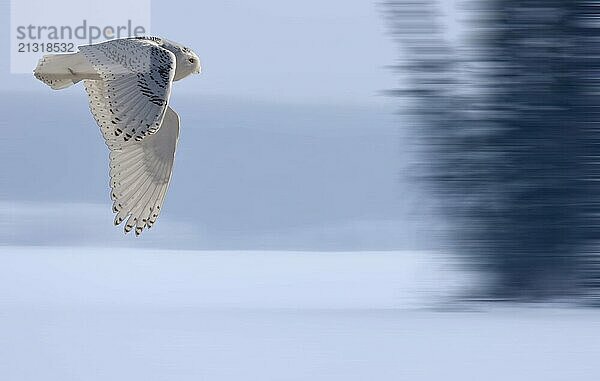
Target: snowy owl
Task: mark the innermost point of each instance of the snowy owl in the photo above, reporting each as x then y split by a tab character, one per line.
128	82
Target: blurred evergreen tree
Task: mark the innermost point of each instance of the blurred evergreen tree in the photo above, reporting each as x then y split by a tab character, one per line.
508	121
586	55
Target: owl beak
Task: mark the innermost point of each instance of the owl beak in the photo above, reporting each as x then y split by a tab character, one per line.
199	67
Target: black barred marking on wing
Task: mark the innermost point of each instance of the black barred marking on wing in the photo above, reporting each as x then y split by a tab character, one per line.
158	40
131	98
148	92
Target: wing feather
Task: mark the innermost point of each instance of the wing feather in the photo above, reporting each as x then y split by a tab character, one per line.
130	104
140	175
130	98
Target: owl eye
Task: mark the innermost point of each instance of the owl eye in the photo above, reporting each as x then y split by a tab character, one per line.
191	60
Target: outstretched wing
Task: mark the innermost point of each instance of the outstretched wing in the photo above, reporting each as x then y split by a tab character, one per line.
131	96
140	173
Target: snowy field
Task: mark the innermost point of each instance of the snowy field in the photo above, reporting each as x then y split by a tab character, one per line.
121	314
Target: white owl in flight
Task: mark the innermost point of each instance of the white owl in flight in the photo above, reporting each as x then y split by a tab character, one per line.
128	82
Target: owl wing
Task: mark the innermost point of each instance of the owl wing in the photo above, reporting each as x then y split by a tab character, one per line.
140	173
130	98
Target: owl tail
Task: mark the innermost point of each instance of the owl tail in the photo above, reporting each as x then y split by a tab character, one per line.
60	71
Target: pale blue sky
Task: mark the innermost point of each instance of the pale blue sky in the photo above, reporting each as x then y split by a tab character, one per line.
286	140
311	51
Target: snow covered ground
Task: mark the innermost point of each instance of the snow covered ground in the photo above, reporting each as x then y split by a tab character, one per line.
122	314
